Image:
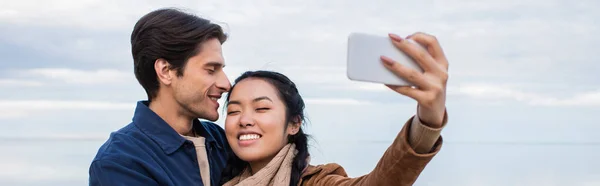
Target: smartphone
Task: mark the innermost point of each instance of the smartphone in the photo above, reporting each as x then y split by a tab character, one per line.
364	62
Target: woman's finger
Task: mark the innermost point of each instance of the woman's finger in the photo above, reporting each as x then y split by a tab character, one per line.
420	55
414	93
408	74
433	46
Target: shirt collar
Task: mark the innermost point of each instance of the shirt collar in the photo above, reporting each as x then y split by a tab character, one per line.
162	133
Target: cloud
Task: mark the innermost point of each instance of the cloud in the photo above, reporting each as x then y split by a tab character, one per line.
12	114
22	108
591	182
115	15
370	87
106	15
57	136
246	12
499	92
75	76
317	34
38	77
24	170
62	105
318	77
335	101
333	78
19	83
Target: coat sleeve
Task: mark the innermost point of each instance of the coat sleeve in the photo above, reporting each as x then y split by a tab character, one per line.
113	172
399	166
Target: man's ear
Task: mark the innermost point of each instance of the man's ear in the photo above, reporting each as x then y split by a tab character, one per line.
294	126
163	71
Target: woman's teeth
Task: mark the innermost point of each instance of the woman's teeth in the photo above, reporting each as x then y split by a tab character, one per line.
249	137
214	98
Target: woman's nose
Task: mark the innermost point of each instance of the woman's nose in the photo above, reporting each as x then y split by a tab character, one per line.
246	120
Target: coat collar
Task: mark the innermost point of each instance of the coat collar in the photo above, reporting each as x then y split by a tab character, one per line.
162	133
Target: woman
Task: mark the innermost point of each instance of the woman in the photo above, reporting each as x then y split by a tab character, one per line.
265	114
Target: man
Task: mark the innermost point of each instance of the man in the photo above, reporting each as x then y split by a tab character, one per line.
178	61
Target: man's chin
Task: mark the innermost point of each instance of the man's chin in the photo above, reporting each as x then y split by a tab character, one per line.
211	117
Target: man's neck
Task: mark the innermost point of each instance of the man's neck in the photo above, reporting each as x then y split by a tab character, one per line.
170	111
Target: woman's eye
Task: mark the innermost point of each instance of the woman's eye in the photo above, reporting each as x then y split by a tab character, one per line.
262	109
232	112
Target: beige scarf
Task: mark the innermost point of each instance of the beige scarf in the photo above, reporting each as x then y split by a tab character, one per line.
277	172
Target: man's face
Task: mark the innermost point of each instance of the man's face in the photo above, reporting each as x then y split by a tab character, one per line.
203	82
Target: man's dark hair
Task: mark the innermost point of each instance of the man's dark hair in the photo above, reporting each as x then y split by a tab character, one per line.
172	35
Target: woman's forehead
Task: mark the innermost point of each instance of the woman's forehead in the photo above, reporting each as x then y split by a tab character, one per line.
253	88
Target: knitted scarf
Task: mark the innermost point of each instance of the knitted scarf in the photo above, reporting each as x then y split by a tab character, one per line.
277	172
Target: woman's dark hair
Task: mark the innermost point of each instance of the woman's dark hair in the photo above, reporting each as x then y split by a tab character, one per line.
172	35
294	104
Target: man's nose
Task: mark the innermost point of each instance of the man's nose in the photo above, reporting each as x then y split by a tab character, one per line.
223	82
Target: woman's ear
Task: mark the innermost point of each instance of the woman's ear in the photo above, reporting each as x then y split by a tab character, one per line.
294	126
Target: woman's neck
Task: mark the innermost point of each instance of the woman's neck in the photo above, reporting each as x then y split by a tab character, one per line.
256	166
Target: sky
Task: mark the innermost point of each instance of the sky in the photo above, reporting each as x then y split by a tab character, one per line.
522	95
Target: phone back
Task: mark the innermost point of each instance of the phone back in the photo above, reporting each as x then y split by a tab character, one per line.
364	62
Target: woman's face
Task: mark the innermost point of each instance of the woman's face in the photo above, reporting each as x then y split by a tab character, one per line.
256	121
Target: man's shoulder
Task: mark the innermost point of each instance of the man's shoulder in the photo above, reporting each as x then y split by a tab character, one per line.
122	144
213	127
217	132
123	159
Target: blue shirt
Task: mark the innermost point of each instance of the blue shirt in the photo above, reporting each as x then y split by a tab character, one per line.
149	152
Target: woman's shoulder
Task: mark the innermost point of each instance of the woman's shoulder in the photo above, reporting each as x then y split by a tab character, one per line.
325	175
313	171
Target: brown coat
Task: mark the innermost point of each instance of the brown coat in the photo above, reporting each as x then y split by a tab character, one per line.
400	165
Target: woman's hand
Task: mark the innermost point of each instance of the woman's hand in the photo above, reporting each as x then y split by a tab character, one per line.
430	86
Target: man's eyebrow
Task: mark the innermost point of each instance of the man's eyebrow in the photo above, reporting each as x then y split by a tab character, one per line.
215	64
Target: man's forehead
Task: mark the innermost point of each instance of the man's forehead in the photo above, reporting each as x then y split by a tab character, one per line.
211	51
